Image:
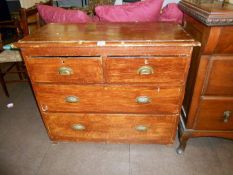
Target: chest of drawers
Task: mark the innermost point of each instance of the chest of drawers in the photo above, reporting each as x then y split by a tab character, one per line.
208	103
109	82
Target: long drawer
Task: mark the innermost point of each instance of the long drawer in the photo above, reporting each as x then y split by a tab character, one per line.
215	114
146	69
65	69
106	127
117	99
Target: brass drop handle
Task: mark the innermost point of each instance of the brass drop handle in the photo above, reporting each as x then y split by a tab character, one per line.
65	71
143	100
78	127
226	115
72	99
145	70
141	128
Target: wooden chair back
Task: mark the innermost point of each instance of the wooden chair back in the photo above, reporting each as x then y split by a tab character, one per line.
93	3
14	25
30	18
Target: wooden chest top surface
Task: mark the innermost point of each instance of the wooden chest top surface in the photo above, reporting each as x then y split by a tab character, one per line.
93	34
212	6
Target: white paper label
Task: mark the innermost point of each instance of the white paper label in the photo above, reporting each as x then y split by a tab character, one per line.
101	43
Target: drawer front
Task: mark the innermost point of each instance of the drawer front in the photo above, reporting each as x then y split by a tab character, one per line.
215	114
115	127
125	99
220	80
65	69
146	70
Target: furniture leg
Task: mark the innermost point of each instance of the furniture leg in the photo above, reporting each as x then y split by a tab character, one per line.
183	136
19	71
183	142
2	81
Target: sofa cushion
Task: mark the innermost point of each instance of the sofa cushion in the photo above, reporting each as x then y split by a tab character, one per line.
171	13
52	14
144	11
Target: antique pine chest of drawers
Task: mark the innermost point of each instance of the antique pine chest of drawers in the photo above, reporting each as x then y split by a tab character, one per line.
109	82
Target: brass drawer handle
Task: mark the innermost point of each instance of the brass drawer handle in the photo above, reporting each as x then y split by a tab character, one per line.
145	70
72	99
226	115
78	127
143	99
65	71
141	128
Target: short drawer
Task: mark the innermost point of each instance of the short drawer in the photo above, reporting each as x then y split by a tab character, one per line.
65	69
220	79
215	114
117	99
114	127
146	69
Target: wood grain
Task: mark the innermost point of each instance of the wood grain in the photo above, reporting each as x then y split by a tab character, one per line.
110	128
122	50
209	90
220	79
84	69
165	69
225	45
106	98
211	114
105	82
113	33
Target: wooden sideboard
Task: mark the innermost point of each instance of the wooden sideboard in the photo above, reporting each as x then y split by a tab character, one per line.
109	82
208	104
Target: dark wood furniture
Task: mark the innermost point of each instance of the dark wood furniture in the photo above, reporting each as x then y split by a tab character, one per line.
5	13
30	19
109	82
12	58
208	103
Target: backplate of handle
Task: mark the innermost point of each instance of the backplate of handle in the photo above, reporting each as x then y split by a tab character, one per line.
72	99
78	127
226	116
145	70
141	128
65	71
143	99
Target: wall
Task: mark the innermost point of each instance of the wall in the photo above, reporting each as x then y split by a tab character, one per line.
170	1
118	2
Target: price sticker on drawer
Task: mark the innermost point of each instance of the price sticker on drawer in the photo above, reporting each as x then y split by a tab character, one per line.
101	43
